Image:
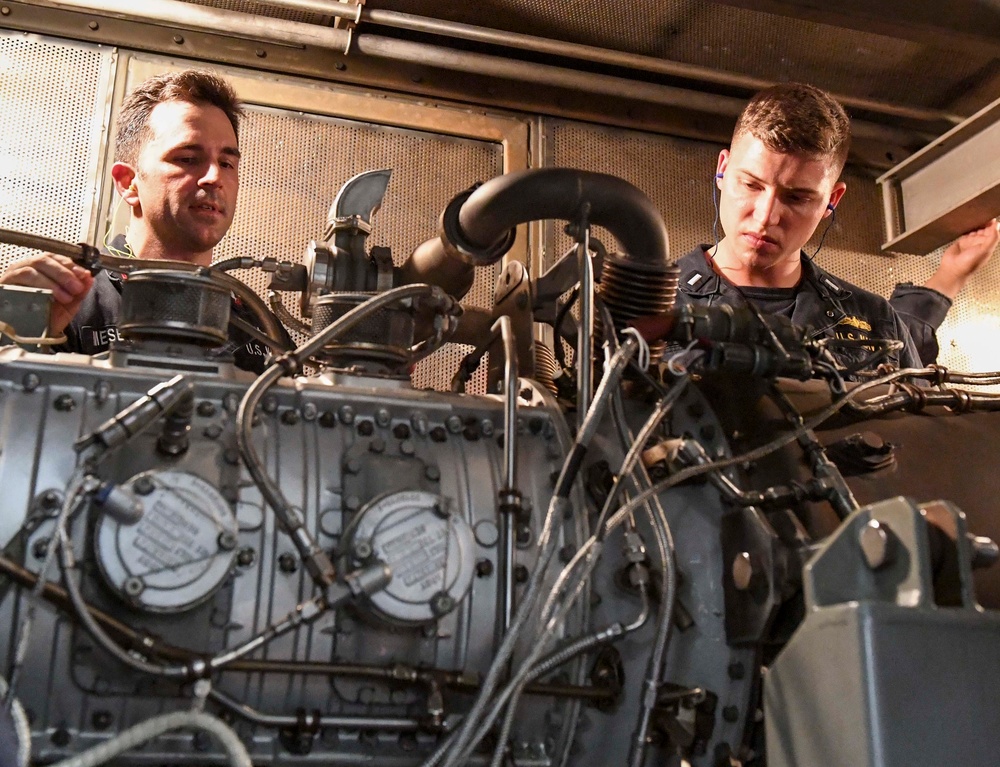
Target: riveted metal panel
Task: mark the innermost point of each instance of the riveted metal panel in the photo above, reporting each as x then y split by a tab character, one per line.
55	101
677	174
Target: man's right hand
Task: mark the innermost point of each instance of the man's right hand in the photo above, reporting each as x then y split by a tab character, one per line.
68	282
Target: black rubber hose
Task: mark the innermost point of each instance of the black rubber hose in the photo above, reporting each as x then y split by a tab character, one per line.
478	226
559	193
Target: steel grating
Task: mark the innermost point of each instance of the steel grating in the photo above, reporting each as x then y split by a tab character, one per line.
54	108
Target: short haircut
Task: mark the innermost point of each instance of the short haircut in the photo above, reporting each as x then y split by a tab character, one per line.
191	85
794	118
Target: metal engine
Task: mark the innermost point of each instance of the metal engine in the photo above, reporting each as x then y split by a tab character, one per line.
324	565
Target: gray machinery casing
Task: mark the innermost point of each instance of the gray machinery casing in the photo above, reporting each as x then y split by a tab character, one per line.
334	451
363	464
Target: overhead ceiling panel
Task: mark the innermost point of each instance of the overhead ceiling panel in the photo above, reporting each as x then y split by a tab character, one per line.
764	45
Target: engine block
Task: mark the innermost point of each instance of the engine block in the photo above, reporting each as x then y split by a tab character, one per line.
181	559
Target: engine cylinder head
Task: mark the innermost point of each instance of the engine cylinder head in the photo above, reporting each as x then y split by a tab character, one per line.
632	288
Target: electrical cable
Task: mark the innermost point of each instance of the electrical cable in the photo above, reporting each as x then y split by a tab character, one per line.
757	453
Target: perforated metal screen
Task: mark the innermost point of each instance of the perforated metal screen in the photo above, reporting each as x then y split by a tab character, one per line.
677	175
53	106
292	166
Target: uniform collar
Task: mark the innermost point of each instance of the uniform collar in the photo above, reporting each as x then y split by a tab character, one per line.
828	286
697	278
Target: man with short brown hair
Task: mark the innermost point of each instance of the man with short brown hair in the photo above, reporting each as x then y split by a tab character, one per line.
778	180
176	166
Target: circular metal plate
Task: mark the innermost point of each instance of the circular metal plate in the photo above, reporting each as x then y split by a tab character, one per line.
429	550
180	551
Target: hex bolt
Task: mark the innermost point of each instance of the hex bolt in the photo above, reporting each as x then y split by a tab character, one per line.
362	550
377	445
742	571
418	421
401	431
438	434
433	473
143	485
441	510
201	741
486	427
731	714
227	540
877	544
287	562
366	428
454	424
290	417
179	39
246	557
40	548
406	447
327	419
352	503
64	403
30	382
212	431
442	604
346	414
102	391
51	500
60	738
101	720
206	409
270	405
983	551
231	456
133	586
382	417
523	536
521	574
484	568
231	402
352	466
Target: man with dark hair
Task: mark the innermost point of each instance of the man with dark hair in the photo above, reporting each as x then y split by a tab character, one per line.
176	166
778	180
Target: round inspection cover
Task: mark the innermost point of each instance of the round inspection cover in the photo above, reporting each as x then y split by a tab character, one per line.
181	549
428	549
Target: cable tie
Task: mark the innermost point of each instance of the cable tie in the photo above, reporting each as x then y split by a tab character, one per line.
643	356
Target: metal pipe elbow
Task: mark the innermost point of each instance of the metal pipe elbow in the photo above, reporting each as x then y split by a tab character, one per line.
479	225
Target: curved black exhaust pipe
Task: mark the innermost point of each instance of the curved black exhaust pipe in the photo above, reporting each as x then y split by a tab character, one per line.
478	226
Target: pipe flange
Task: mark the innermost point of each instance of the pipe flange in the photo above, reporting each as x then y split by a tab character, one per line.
456	245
